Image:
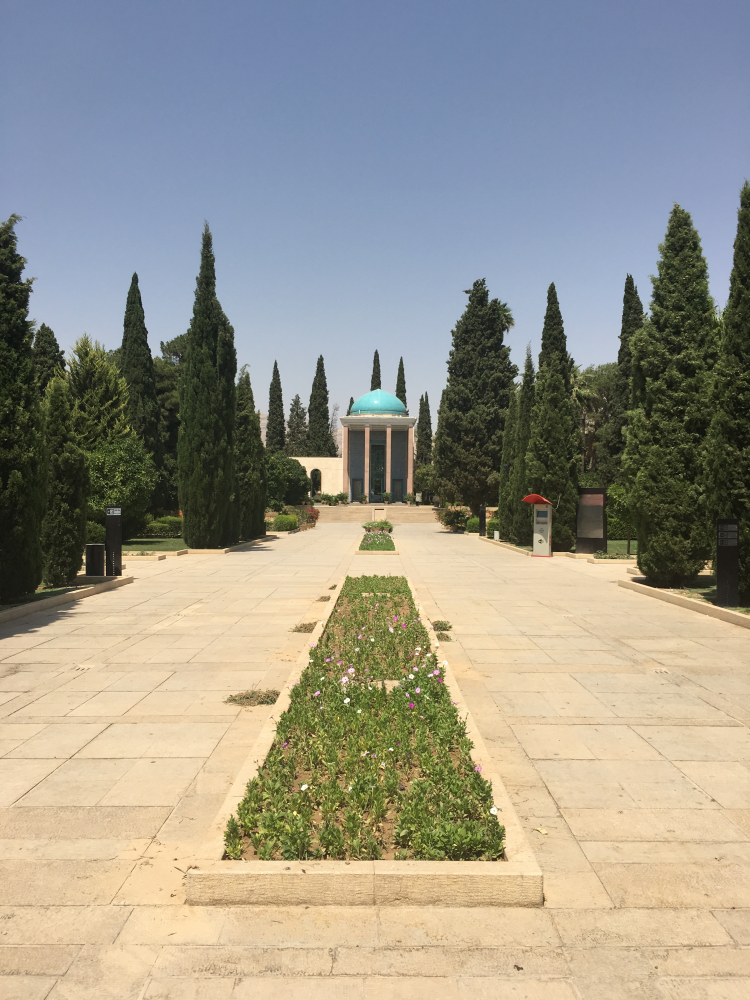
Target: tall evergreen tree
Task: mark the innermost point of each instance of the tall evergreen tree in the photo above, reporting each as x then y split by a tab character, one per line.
137	367
250	462
22	466
375	378
673	354
553	453
64	525
727	465
48	358
469	439
424	432
275	433
611	443
296	429
226	371
351	404
319	438
510	440
167	369
401	383
100	396
554	340
520	528
204	483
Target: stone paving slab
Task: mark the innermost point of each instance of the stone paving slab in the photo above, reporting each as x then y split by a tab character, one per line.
619	727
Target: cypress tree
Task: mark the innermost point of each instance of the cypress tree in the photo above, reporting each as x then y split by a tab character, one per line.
226	371
375	378
424	432
167	373
510	438
275	434
553	454
99	394
351	404
48	358
250	462
137	367
22	466
611	442
672	357
727	465
469	439
204	483
554	340
296	429
401	383
64	525
319	438
520	528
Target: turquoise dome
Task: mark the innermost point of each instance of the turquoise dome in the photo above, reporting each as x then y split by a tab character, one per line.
379	403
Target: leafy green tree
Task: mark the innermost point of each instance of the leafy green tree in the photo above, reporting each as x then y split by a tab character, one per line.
64	524
401	382
122	473
99	393
296	429
275	433
287	481
469	439
137	367
249	462
375	378
673	355
48	358
611	440
594	391
204	451
727	462
520	528
319	437
22	465
554	340
424	432
167	369
510	440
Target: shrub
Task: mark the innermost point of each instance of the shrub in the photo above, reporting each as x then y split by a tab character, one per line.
329	499
163	527
95	533
123	473
386	497
493	525
342	497
308	515
287	481
472	525
378	526
284	522
410	498
452	517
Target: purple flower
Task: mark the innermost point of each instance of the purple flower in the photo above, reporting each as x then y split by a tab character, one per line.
478	768
411	704
316	694
417	690
284	745
328	659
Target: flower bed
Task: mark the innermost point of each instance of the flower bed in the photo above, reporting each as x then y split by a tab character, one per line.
377	542
371	760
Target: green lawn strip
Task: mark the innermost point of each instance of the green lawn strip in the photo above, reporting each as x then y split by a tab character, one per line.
361	769
40	595
377	542
708	594
153	545
620	546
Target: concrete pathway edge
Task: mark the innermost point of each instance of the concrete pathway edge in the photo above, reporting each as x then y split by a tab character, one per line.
52	602
691	603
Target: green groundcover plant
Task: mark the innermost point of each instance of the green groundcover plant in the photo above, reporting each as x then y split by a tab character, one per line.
378	526
364	768
377	541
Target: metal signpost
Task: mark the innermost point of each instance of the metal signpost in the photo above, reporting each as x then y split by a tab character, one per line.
482	522
542	543
728	562
113	540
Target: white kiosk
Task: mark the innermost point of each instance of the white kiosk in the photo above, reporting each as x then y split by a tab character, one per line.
542	544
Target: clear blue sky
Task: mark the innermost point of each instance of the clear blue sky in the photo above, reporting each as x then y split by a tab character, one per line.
361	162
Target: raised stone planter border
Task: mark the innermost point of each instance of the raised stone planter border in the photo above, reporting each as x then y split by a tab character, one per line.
517	881
52	602
691	603
377	552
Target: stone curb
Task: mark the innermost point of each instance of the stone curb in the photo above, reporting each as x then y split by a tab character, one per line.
52	602
515	882
611	562
691	603
376	552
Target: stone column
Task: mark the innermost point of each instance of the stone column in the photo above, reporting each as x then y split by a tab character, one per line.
410	462
367	462
346	487
387	459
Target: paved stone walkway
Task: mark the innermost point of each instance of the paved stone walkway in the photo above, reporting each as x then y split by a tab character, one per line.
619	724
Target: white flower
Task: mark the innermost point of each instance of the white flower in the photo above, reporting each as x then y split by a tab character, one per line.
390	629
390	749
411	677
349	788
347	700
372	639
382	763
303	788
417	649
322	678
359	711
364	753
356	650
493	810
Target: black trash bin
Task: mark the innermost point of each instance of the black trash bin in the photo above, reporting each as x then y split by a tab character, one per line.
95	559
